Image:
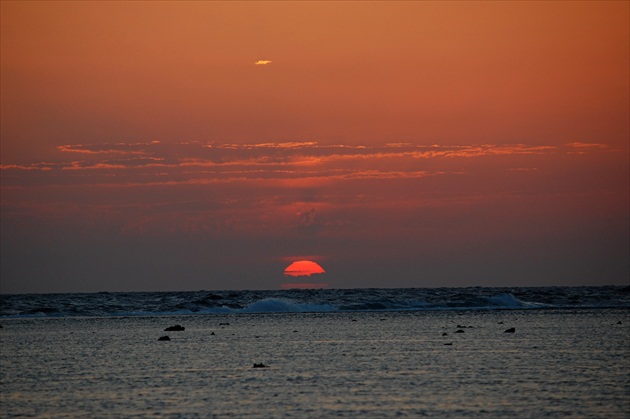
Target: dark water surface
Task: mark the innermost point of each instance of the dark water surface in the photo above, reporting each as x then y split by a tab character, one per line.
338	363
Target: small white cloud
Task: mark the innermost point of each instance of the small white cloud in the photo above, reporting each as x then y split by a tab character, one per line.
262	62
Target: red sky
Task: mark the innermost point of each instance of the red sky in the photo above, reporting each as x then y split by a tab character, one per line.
397	144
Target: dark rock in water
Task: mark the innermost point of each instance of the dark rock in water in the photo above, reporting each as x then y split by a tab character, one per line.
510	330
500	323
449	344
459	331
224	324
444	334
261	365
164	338
176	328
619	322
212	334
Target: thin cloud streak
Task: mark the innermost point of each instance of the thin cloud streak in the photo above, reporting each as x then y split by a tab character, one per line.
268	155
286	165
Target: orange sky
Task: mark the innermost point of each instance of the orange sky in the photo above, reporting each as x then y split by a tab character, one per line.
402	143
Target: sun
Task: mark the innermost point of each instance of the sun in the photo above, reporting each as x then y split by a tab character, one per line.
303	268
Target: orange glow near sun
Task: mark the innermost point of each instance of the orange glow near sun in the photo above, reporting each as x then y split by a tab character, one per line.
303	268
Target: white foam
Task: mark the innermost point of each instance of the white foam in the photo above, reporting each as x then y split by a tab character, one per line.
508	300
505	300
274	305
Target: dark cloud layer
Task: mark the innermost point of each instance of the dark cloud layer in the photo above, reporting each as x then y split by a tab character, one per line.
151	215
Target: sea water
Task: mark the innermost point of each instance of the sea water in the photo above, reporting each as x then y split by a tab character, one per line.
312	300
330	362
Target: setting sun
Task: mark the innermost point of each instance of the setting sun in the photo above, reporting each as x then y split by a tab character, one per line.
303	268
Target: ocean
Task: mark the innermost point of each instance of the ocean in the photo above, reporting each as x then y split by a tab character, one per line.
369	353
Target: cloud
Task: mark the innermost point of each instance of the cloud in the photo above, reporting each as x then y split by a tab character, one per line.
117	148
262	62
583	148
34	166
523	169
308	218
288	164
586	145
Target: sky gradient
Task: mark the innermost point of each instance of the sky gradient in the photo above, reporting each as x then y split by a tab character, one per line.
151	146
